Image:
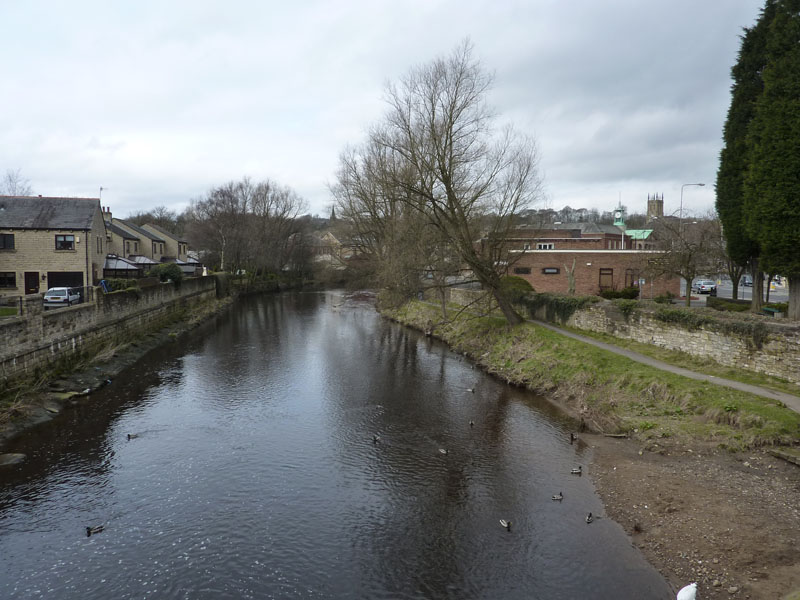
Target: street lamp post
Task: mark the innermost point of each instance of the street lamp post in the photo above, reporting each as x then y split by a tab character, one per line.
681	211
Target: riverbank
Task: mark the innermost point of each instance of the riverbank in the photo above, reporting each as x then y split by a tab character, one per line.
693	483
57	389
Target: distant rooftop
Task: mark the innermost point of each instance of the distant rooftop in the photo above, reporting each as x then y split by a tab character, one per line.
37	212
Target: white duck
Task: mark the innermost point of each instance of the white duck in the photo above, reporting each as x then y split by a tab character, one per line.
688	592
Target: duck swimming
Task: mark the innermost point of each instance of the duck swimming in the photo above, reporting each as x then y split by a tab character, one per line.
589	518
559	496
132	436
376	439
95	529
572	437
472	423
443	451
472	390
577	470
506	524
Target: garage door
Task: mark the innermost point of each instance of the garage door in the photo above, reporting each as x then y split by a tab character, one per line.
64	279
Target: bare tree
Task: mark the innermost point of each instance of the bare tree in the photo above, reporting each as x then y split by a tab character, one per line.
690	249
442	157
14	184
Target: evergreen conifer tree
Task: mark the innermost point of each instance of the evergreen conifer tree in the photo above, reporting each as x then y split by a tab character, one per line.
772	181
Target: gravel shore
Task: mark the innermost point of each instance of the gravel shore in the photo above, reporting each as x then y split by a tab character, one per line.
730	522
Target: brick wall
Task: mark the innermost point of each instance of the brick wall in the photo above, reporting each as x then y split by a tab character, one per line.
38	337
587	271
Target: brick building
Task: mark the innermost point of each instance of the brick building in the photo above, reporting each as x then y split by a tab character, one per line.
604	257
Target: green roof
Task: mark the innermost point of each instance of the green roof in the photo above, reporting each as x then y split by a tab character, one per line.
639	234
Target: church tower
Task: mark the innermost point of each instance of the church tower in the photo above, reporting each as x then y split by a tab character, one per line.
655	206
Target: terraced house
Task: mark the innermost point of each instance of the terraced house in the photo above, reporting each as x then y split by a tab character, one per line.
50	242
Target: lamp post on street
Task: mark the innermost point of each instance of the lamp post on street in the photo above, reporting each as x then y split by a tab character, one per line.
681	211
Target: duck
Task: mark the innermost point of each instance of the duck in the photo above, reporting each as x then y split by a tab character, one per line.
589	518
688	592
559	496
472	423
132	436
572	438
506	524
443	451
376	439
577	470
94	529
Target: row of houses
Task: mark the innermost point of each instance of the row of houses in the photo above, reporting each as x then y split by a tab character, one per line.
48	242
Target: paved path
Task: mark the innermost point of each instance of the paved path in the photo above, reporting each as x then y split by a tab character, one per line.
791	401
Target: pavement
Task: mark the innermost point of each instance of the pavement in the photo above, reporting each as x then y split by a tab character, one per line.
792	402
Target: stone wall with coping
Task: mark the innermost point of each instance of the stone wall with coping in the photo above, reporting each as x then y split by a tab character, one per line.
40	337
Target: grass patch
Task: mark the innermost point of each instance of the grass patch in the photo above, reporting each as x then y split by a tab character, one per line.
695	363
8	311
610	392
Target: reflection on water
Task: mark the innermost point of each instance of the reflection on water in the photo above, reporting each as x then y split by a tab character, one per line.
255	475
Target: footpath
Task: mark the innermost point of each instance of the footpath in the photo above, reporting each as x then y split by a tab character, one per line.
789	400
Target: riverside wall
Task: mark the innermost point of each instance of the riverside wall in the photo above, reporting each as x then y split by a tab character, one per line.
38	338
775	351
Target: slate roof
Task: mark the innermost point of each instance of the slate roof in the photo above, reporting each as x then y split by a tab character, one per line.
26	212
124	233
587	227
167	233
141	231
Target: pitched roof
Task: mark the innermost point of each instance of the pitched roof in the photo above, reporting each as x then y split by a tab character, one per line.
137	229
26	212
588	227
169	234
119	264
124	233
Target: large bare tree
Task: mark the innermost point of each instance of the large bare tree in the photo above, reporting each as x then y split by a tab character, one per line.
439	153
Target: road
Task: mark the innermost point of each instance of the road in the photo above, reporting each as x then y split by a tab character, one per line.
725	290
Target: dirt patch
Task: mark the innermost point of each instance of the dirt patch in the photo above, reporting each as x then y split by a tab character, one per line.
731	522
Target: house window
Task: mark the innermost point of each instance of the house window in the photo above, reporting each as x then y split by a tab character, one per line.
127	247
551	271
65	242
6	241
526	246
631	278
161	248
8	280
99	245
547	246
522	270
606	279
136	247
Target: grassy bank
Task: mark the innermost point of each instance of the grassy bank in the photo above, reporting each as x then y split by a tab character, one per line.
609	392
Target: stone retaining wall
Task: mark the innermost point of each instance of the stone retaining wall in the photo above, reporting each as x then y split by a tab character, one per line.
40	337
777	355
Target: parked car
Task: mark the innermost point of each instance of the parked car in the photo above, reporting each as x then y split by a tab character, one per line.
747	281
705	286
61	296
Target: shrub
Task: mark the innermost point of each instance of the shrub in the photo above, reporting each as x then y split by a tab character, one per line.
167	272
117	284
628	293
515	288
725	304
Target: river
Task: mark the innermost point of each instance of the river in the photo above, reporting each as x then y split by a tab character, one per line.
254	473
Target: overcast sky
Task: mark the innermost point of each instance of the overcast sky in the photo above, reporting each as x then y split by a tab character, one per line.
158	101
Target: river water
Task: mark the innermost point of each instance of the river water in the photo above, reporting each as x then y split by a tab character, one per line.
255	475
